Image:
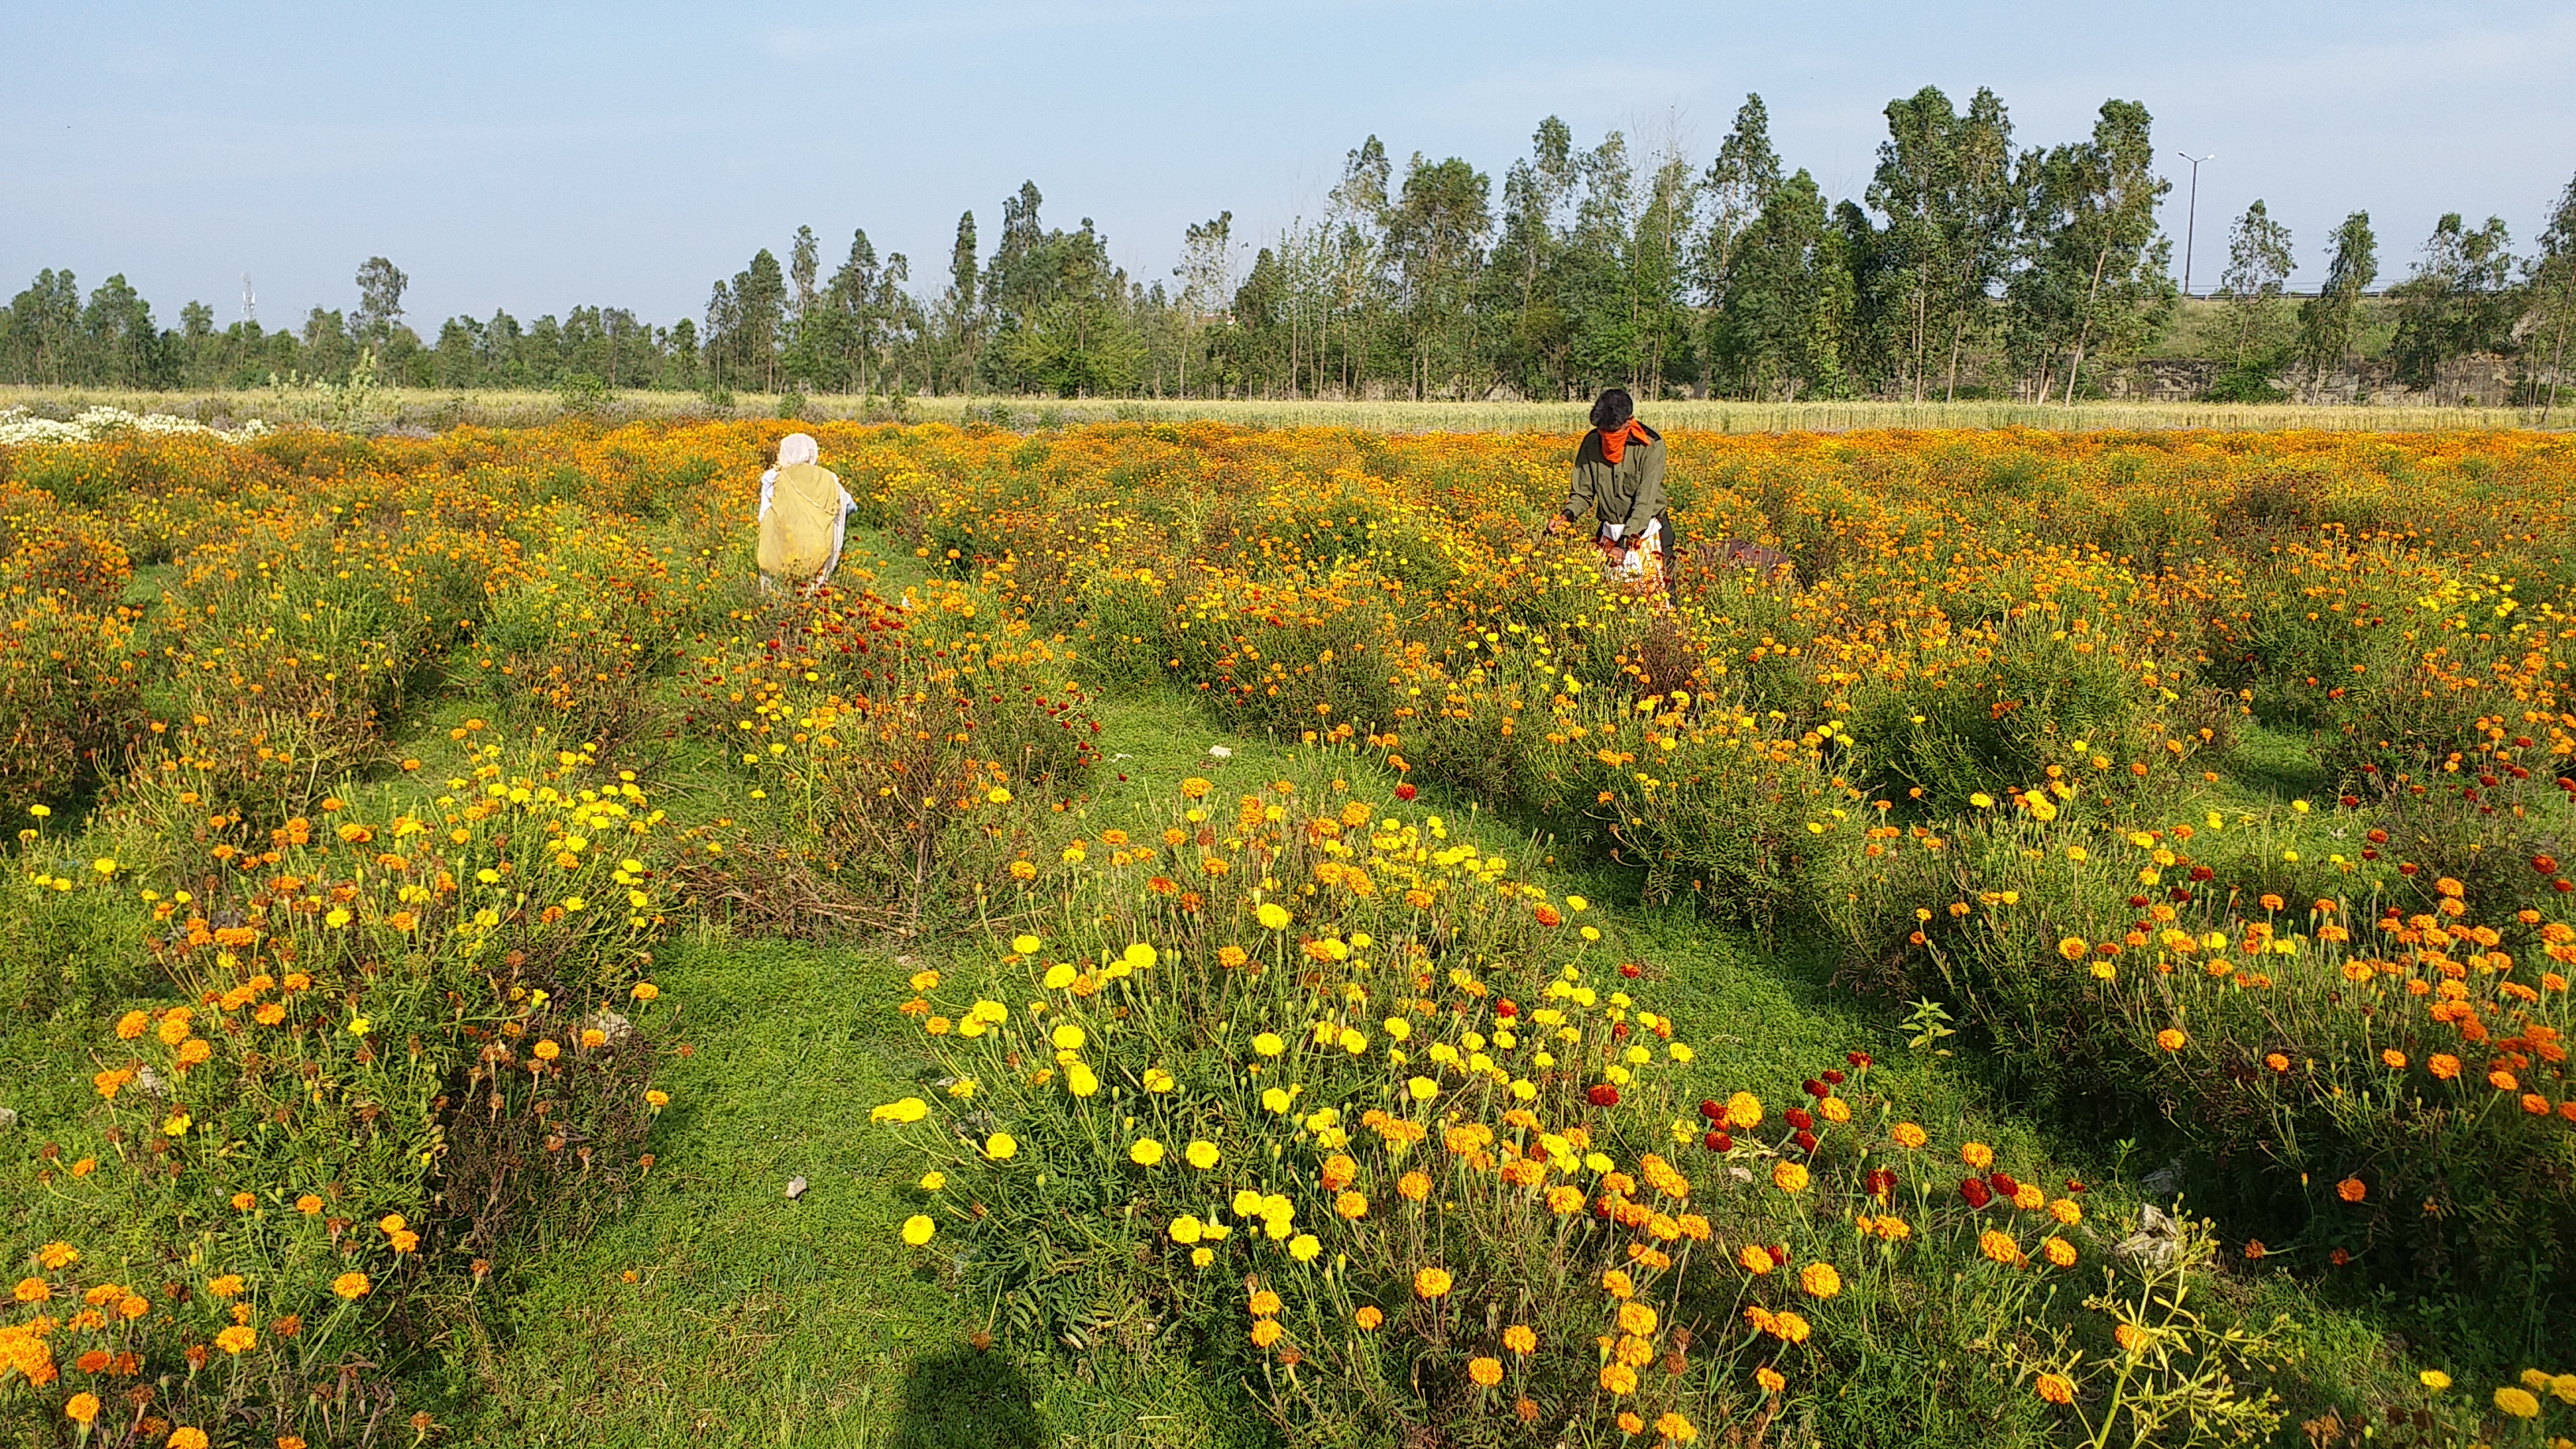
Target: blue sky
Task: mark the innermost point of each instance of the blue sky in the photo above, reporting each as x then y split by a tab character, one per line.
538	155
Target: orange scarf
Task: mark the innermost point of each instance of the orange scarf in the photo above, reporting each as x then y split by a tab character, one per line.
1614	441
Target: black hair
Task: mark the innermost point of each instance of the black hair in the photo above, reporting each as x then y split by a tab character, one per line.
1613	409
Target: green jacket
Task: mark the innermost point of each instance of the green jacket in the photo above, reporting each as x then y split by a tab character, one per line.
1629	492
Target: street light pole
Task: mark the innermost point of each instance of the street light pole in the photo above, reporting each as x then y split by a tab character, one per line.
2191	216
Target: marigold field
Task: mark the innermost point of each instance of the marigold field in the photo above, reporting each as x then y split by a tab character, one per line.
1221	935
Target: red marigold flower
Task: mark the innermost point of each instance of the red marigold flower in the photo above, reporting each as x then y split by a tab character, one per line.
1880	1182
2545	864
1602	1095
1715	1142
1800	1118
1711	1110
1506	1008
1833	1077
2003	1183
1812	1087
1857	1059
1547	915
1806	1141
1405	791
1975	1191
1630	970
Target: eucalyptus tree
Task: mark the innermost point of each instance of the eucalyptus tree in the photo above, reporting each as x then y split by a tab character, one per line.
2258	267
2457	301
1436	230
1779	332
2095	271
2552	285
2326	319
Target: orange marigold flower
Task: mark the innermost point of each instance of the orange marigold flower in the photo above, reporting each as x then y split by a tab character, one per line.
1432	1282
1485	1371
2352	1189
2056	1388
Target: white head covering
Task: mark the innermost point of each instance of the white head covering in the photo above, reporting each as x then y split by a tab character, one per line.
797	448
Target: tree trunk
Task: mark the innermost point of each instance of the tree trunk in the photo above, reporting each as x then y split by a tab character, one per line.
2557	355
1958	336
2084	334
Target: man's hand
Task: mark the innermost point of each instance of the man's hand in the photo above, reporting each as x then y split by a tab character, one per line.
1556	524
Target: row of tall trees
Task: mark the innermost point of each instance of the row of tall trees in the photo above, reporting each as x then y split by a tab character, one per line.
1969	266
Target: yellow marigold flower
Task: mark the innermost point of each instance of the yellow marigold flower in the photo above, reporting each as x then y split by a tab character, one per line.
1617	1284
2073	948
187	1437
81	1408
239	1338
230	1285
1269	1044
2170	1039
1909	1136
645	991
1676	1429
1977	1155
1305	1247
1185	1229
1431	1282
1352	1205
1638	1319
1770	1380
308	1204
1272	916
1159	1080
1001	1147
2518	1402
1485	1371
33	1290
2067	1211
1819	1280
2434	1379
1266	1332
2563	1388
2058	1250
1743	1112
2056	1388
1414	1185
1080	1080
1195	788
2030	1197
1998	1246
351	1285
1755	1258
1519	1339
1201	1154
1789	1176
1791	1327
1618	1378
57	1256
1368	1318
1145	1152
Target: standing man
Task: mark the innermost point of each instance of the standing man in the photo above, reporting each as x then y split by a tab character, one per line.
1619	475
